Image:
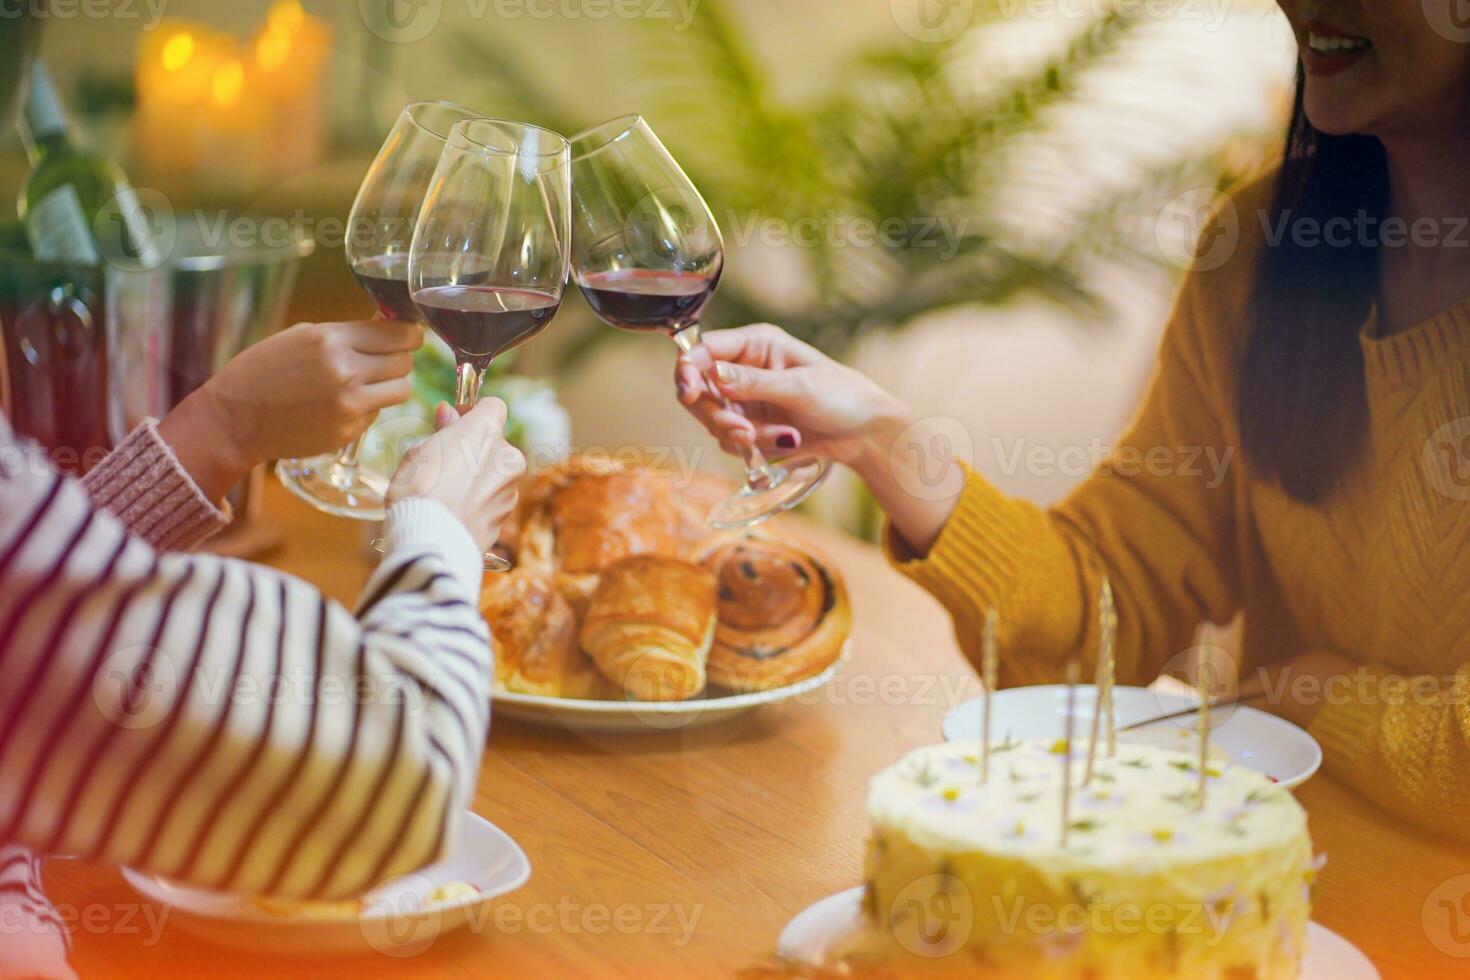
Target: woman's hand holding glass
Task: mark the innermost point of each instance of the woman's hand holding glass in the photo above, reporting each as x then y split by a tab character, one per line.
302	391
468	466
797	399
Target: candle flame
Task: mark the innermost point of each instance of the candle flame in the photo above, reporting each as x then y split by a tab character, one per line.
228	81
272	48
285	16
177	51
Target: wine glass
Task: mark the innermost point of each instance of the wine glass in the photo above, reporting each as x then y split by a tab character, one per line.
488	264
647	255
379	230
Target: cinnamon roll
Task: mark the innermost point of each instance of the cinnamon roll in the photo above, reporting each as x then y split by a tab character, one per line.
783	615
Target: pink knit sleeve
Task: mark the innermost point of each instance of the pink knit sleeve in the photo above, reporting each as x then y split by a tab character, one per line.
145	486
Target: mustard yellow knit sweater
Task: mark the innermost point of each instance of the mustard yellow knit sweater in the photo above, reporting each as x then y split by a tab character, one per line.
1379	572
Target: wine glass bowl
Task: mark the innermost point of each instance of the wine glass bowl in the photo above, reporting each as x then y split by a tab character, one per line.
489	258
647	255
380	230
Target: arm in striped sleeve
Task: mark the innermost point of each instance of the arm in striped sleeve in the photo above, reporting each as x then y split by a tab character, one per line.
221	722
33	938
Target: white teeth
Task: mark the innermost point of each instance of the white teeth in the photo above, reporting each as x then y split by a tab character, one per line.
1335	45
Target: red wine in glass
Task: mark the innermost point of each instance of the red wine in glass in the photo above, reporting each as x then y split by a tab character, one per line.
648	299
385	279
482	322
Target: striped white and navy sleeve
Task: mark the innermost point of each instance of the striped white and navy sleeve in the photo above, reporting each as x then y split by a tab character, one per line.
221	722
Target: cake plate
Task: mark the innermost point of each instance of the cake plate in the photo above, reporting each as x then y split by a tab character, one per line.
821	926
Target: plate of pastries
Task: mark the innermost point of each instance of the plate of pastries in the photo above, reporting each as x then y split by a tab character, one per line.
626	611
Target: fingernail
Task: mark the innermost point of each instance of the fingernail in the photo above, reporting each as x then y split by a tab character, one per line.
682	388
786	441
724	373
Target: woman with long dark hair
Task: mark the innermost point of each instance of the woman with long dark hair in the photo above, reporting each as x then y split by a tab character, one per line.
1327	361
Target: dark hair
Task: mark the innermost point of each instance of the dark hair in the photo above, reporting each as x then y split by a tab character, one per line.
1302	400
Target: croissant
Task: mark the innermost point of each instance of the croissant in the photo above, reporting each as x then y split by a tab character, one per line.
783	615
582	515
650	625
535	630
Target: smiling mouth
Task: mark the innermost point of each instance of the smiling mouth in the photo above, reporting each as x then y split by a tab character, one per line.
1327	50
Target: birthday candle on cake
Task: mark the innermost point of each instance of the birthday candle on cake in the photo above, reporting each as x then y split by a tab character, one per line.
1099	705
1073	672
988	675
1204	730
1107	660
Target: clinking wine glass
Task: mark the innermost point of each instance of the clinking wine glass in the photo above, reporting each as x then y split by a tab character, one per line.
379	232
488	264
647	255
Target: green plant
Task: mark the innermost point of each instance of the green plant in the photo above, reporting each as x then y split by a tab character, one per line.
900	137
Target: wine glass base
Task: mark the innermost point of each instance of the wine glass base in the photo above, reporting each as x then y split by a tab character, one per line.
494	561
329	486
791	483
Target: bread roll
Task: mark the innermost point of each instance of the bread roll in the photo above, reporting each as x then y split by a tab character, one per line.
649	627
535	631
783	615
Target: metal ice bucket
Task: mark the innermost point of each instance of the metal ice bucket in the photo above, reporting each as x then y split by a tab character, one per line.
90	350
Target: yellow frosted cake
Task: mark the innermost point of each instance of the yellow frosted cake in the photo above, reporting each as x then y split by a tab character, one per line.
972	880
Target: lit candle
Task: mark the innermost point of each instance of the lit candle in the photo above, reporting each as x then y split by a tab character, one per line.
1074	671
989	669
174	66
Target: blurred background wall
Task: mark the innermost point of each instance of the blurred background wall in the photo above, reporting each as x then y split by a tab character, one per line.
1046	161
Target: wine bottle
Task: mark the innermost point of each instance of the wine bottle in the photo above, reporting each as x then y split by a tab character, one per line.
68	188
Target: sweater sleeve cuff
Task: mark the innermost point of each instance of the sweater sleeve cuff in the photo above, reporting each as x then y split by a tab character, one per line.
419	526
1348	729
978	553
145	486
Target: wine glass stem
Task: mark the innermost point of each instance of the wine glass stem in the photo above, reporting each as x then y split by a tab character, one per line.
469	379
347	458
758	472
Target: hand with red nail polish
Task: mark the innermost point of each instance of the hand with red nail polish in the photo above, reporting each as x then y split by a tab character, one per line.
793	396
797	401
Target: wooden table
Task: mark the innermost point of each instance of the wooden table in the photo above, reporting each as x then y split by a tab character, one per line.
684	854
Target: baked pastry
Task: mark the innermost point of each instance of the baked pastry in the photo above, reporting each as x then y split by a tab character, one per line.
535	630
783	615
1147	885
650	625
579	517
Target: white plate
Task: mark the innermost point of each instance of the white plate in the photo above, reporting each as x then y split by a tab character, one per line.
646	716
1251	737
394	920
817	928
